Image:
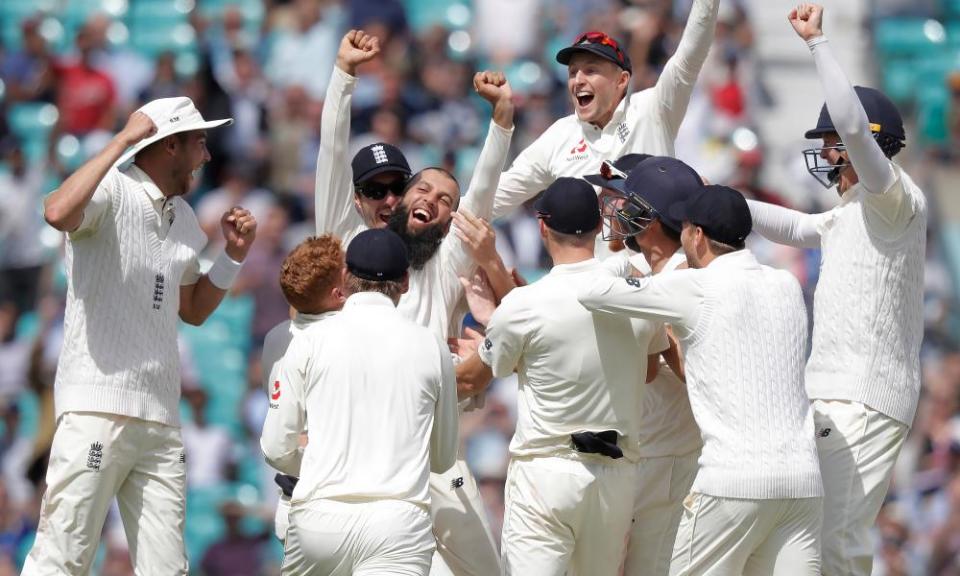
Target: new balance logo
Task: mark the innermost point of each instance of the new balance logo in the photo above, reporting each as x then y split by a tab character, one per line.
456	483
635	282
95	456
487	344
823	432
379	155
183	458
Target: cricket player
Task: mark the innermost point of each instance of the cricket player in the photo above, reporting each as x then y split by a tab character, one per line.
422	215
609	122
755	505
310	280
639	213
572	473
378	394
863	374
132	269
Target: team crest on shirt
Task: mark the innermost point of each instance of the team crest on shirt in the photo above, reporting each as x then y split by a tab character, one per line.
95	456
275	395
623	132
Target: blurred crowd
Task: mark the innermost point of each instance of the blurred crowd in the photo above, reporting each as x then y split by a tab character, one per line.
71	72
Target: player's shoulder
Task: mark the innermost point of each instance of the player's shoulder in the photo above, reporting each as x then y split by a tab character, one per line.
910	188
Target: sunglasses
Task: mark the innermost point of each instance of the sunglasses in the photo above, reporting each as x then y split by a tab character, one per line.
379	191
600	38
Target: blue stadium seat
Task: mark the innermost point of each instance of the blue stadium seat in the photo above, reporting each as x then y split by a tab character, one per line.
932	106
908	36
899	78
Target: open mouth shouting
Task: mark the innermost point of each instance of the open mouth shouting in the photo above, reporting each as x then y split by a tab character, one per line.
584	98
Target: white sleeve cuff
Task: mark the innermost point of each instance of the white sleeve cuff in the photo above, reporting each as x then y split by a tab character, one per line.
224	271
814	42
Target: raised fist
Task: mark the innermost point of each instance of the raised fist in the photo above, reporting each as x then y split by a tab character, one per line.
356	47
492	86
138	127
806	19
239	229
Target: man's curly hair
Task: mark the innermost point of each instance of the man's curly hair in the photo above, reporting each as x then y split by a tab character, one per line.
310	271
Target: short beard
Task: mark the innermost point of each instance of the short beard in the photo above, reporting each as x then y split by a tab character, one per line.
420	247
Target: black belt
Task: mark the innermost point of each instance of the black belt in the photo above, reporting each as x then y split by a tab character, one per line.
286	483
604	443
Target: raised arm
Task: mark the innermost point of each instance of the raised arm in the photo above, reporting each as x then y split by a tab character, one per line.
333	194
64	208
785	226
528	176
873	167
675	85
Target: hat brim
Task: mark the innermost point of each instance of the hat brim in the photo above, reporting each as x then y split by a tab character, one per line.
599	180
161	135
381	170
817	133
565	54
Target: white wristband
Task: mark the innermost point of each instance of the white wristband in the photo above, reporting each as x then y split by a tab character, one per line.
814	42
224	271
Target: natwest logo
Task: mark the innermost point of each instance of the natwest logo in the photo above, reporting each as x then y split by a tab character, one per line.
276	393
580	148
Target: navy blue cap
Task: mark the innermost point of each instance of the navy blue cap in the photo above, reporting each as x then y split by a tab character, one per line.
882	114
661	181
720	210
600	44
377	159
569	206
623	164
378	255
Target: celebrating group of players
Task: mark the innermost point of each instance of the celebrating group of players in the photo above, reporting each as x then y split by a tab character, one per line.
672	417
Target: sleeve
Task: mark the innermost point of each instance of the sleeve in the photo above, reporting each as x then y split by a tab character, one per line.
445	436
99	205
286	417
785	226
333	203
506	336
873	168
198	240
528	176
676	82
673	297
477	201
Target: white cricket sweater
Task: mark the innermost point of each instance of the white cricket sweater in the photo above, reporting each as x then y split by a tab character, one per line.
743	327
120	331
577	371
868	305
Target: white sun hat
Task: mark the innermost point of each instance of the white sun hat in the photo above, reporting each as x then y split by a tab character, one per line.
171	115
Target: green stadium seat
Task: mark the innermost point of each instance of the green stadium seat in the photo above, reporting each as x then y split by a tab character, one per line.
32	119
423	14
932	106
908	36
899	79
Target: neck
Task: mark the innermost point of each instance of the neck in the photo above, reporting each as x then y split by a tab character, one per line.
159	176
658	253
570	254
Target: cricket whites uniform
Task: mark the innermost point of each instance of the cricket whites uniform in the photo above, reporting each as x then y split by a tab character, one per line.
669	448
464	541
644	122
863	374
578	372
755	505
117	388
378	394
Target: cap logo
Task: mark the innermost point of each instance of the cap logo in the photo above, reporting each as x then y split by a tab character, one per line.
874	127
379	155
661	169
174	119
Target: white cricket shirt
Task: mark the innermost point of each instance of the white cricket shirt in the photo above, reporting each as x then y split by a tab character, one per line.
125	265
743	327
578	371
379	396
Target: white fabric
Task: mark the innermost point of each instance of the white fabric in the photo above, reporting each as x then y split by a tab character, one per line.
858	448
224	271
378	394
120	336
465	545
850	120
667	426
868	305
566	515
171	116
661	486
731	537
93	458
644	122
785	226
386	537
577	371
743	331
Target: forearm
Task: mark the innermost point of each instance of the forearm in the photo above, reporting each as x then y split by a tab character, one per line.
784	226
63	209
850	120
480	194
334	185
473	377
203	299
500	279
284	456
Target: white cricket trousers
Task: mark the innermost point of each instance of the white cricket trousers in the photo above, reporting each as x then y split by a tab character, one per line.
389	537
662	484
465	545
95	457
567	514
734	537
858	448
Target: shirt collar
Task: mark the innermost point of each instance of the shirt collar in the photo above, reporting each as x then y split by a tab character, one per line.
153	192
575	267
368	299
743	259
301	320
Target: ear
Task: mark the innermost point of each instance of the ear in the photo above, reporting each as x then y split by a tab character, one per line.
543	228
356	202
171	144
406	282
623	82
